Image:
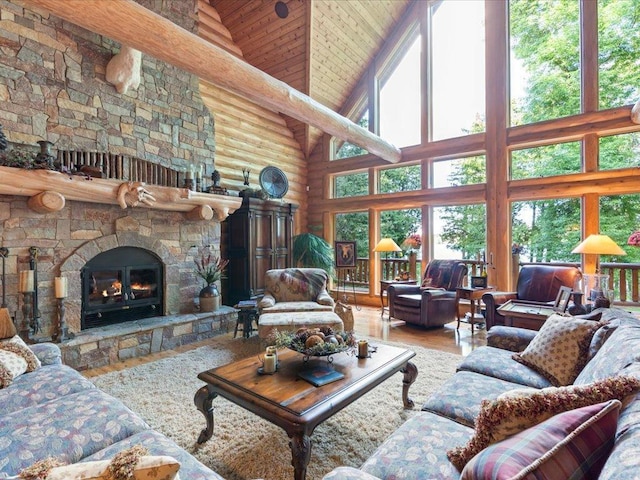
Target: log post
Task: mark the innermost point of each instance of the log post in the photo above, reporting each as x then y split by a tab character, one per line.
46	202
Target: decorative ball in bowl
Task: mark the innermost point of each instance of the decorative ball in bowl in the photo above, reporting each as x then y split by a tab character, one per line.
316	342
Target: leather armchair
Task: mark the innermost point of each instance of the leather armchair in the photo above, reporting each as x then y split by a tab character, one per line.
434	303
536	284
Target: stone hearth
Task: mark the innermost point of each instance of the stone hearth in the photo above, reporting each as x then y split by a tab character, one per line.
98	347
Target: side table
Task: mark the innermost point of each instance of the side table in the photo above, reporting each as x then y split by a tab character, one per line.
248	312
384	284
474	295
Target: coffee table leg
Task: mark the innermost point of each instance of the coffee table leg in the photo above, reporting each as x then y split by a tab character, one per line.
410	374
203	400
301	454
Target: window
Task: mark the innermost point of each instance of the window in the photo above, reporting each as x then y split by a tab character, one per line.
459	171
619	151
619	50
546	161
547	229
351	185
401	179
400	101
545	52
457	66
459	231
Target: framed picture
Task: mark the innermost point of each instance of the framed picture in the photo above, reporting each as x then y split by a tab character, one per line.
562	300
478	282
345	254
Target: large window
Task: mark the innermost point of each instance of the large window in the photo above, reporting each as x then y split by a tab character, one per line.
619	151
545	48
459	171
348	149
459	231
546	161
457	66
547	229
619	51
399	179
351	185
400	101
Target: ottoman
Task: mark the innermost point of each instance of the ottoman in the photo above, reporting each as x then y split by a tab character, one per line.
268	322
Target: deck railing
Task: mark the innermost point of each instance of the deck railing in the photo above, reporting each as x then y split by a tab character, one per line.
624	278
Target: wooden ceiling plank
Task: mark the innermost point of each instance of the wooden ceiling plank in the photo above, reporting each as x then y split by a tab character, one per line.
122	20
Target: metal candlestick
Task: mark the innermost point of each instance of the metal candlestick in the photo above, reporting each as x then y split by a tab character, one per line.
62	331
33	264
27	314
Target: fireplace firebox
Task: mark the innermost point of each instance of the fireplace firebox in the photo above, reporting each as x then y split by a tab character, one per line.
121	285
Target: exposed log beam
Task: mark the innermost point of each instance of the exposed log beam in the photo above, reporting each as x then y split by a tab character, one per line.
124	20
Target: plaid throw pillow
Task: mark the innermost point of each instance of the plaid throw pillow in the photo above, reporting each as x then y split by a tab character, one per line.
573	444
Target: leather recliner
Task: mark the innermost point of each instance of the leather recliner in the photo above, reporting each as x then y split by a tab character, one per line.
433	303
536	283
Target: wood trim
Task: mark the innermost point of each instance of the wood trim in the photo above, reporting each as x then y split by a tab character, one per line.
59	186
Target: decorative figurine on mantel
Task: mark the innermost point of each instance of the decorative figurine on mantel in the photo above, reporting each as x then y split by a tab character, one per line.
216	188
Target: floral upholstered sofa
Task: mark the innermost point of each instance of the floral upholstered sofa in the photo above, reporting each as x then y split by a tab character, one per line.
53	411
566	405
296	290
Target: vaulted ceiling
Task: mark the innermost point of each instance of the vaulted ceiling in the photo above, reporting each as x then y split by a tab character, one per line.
321	47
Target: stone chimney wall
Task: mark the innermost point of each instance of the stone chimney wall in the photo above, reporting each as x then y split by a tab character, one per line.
53	87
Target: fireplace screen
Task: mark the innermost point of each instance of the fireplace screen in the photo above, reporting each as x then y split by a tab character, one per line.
121	285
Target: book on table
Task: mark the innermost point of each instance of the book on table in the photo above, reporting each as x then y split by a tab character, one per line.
319	375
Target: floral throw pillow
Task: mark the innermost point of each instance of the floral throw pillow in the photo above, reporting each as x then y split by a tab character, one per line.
513	412
573	444
15	359
560	349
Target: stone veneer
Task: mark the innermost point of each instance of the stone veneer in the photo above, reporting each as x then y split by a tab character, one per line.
102	346
53	87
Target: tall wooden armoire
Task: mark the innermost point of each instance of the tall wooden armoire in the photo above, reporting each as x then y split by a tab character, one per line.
257	237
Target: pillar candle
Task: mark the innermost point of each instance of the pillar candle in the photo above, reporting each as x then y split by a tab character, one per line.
189	173
269	363
273	351
26	281
363	348
61	287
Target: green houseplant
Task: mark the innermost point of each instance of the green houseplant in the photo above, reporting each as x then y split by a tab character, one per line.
211	269
311	251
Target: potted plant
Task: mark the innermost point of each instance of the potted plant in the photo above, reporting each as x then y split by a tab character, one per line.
211	269
311	251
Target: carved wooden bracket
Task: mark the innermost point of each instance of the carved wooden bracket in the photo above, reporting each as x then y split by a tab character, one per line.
49	191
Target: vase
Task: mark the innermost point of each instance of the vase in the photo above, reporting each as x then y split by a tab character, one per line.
45	156
209	298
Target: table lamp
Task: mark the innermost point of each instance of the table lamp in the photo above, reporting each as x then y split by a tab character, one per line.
387	245
595	284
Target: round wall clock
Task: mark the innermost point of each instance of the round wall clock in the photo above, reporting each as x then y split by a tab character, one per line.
274	182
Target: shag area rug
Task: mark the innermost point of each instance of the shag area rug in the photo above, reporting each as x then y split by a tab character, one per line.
245	446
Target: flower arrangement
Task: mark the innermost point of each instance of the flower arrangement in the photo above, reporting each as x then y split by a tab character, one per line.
517	249
209	267
413	242
634	239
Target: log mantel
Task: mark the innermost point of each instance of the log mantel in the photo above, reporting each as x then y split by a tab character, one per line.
48	190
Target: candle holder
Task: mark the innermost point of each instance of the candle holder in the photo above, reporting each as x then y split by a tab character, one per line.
62	331
27	314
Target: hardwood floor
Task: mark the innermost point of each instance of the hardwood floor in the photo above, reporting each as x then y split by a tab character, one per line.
368	324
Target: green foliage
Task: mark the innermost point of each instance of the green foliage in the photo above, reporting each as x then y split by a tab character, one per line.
311	251
354	227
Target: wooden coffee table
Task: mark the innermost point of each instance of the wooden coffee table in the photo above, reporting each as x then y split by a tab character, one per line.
292	403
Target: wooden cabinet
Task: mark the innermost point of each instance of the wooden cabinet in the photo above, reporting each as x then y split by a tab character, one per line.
255	238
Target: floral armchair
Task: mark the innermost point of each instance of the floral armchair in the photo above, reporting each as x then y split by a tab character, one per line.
296	290
433	303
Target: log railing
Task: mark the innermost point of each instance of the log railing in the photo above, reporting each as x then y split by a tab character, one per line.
624	278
